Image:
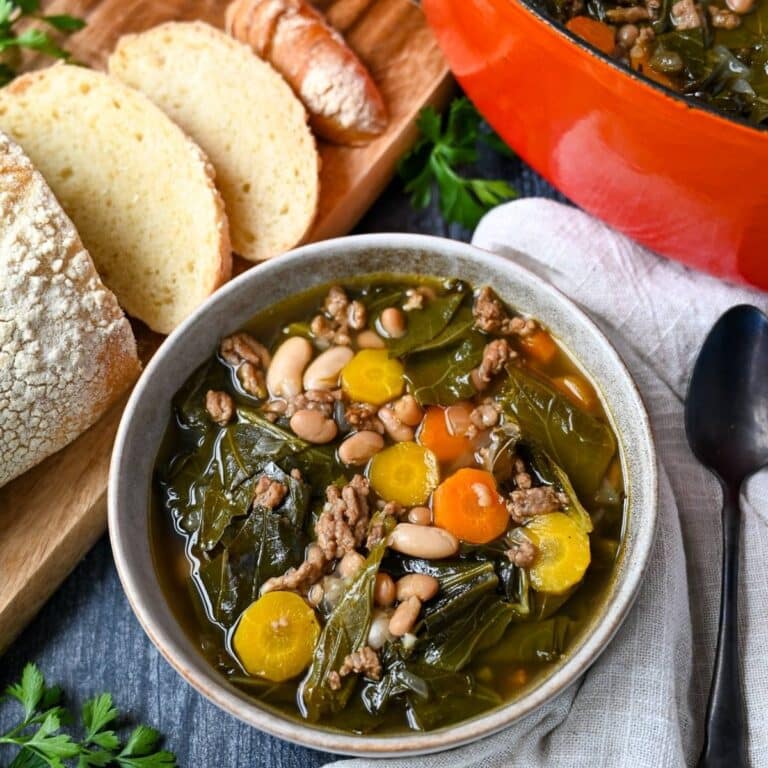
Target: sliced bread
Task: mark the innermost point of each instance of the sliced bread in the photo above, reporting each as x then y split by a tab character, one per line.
66	349
139	191
246	119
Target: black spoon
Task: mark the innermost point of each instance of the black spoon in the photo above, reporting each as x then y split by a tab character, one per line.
726	420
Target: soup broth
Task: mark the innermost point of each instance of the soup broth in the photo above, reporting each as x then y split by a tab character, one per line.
294	565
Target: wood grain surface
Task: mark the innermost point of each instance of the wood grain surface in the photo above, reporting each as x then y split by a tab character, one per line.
51	516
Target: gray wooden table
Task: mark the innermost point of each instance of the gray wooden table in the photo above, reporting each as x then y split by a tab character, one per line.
87	639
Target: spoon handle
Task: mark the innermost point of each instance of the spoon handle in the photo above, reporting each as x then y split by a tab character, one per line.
725	737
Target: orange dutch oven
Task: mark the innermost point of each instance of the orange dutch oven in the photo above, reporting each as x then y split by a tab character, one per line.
680	178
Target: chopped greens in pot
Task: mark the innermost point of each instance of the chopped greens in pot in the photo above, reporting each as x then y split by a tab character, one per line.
392	504
716	52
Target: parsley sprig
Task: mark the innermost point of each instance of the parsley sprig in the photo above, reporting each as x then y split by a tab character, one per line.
446	145
42	743
32	38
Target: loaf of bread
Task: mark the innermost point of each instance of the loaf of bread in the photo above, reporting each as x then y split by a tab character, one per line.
66	349
139	191
344	104
246	119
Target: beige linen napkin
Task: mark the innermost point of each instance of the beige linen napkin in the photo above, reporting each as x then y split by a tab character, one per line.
642	703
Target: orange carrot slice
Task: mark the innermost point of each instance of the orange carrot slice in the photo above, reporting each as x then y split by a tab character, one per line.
539	345
595	32
468	505
578	390
436	435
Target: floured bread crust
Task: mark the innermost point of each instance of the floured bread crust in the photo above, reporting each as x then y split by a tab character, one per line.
66	349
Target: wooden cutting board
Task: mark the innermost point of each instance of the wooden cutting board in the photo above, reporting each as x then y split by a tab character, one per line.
52	515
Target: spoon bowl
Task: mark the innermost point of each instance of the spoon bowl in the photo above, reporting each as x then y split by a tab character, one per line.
726	421
726	412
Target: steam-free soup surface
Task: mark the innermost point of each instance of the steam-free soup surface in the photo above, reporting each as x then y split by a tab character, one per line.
390	504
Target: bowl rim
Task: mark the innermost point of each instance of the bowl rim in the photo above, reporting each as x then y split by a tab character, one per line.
657	88
215	688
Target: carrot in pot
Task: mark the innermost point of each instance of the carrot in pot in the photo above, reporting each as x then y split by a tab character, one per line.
539	345
594	32
436	434
578	390
468	505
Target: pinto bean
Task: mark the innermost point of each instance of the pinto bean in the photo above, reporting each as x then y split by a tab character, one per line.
313	426
740	6
350	564
360	447
458	418
420	516
384	591
370	340
323	372
288	364
423	541
408	410
399	432
392	321
405	616
421	585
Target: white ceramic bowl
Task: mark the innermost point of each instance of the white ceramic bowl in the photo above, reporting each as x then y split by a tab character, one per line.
148	411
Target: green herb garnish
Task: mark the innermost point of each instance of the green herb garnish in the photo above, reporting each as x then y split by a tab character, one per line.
42	743
446	145
32	38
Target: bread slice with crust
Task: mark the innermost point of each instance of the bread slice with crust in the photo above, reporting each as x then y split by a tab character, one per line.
246	119
139	191
66	349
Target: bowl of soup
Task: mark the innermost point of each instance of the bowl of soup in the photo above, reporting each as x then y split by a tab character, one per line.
650	115
383	495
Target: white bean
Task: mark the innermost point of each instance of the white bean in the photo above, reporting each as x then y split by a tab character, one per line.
323	372
423	541
379	634
313	426
360	447
288	364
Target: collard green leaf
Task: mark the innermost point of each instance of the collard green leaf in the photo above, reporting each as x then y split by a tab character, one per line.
454	333
267	544
345	631
425	324
453	697
500	455
442	376
433	697
189	402
553	474
531	643
581	444
479	627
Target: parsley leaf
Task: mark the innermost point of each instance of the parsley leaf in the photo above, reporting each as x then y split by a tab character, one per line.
445	145
32	38
43	744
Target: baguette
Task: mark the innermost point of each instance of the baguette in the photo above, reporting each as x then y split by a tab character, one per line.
66	349
344	104
244	116
139	191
